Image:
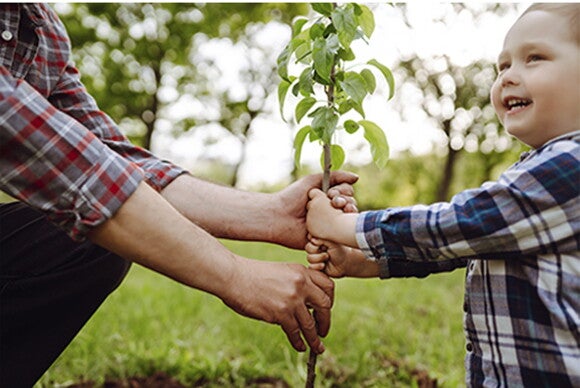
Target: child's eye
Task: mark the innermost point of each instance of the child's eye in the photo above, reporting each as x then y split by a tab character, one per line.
502	66
535	58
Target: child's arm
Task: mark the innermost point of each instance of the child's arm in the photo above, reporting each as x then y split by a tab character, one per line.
325	222
339	260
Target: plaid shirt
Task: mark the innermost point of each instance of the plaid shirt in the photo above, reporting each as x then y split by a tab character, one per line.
519	238
58	152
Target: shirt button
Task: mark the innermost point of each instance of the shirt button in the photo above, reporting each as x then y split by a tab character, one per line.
6	35
469	347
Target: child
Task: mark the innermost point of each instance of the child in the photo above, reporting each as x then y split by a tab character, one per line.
519	237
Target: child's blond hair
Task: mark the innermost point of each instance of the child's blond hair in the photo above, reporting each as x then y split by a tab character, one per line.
569	11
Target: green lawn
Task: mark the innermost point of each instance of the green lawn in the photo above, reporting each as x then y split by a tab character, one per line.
382	333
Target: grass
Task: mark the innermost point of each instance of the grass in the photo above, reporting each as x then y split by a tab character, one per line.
382	332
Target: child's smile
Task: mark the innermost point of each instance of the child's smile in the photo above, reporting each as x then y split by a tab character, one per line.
516	104
536	94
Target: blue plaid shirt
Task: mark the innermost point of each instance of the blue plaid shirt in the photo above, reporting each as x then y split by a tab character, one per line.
519	238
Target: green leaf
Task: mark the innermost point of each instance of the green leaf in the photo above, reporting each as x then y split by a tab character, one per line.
346	55
297	26
346	24
337	157
303	107
387	74
324	121
305	82
370	80
282	91
322	8
351	126
354	85
323	52
303	53
296	89
316	31
378	142
359	109
301	45
366	20
330	29
319	79
283	60
313	136
299	142
345	106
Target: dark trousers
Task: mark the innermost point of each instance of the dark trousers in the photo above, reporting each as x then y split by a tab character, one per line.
49	288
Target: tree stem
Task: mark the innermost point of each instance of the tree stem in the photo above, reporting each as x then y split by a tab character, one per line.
327	166
311	374
311	369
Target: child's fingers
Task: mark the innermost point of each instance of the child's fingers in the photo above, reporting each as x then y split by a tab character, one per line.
318	242
350	208
317	266
315	247
310	247
316	258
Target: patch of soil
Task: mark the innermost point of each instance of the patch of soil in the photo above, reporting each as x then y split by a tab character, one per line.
158	380
421	376
163	380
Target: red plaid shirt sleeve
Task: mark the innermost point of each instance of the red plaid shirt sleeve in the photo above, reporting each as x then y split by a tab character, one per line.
58	151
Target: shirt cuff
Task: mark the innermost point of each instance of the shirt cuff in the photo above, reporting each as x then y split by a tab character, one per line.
107	186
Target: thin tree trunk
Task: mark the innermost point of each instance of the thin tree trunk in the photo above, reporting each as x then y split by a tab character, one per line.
445	184
154	107
235	175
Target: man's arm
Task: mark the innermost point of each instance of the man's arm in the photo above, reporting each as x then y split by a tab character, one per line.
148	230
277	218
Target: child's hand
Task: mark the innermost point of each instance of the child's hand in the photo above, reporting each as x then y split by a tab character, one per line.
319	256
339	260
328	223
342	197
321	214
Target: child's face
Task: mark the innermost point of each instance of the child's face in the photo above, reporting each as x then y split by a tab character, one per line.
537	93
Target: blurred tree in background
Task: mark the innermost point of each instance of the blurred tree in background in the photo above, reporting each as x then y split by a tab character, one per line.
139	59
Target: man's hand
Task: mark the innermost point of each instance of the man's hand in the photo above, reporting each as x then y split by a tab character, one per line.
290	228
282	293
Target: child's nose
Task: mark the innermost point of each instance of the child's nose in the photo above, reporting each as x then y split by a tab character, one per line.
510	77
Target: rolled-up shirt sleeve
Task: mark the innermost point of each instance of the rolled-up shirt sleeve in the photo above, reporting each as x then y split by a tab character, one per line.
70	96
55	164
58	151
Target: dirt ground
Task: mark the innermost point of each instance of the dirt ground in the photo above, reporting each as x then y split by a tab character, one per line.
162	380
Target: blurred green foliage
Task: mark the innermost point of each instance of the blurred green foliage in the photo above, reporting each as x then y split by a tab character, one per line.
128	52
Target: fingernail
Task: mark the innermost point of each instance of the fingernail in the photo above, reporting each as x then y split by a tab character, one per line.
321	348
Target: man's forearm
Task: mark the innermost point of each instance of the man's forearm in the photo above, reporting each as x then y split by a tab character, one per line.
222	211
149	231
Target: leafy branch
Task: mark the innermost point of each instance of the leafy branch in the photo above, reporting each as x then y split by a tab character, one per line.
323	47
